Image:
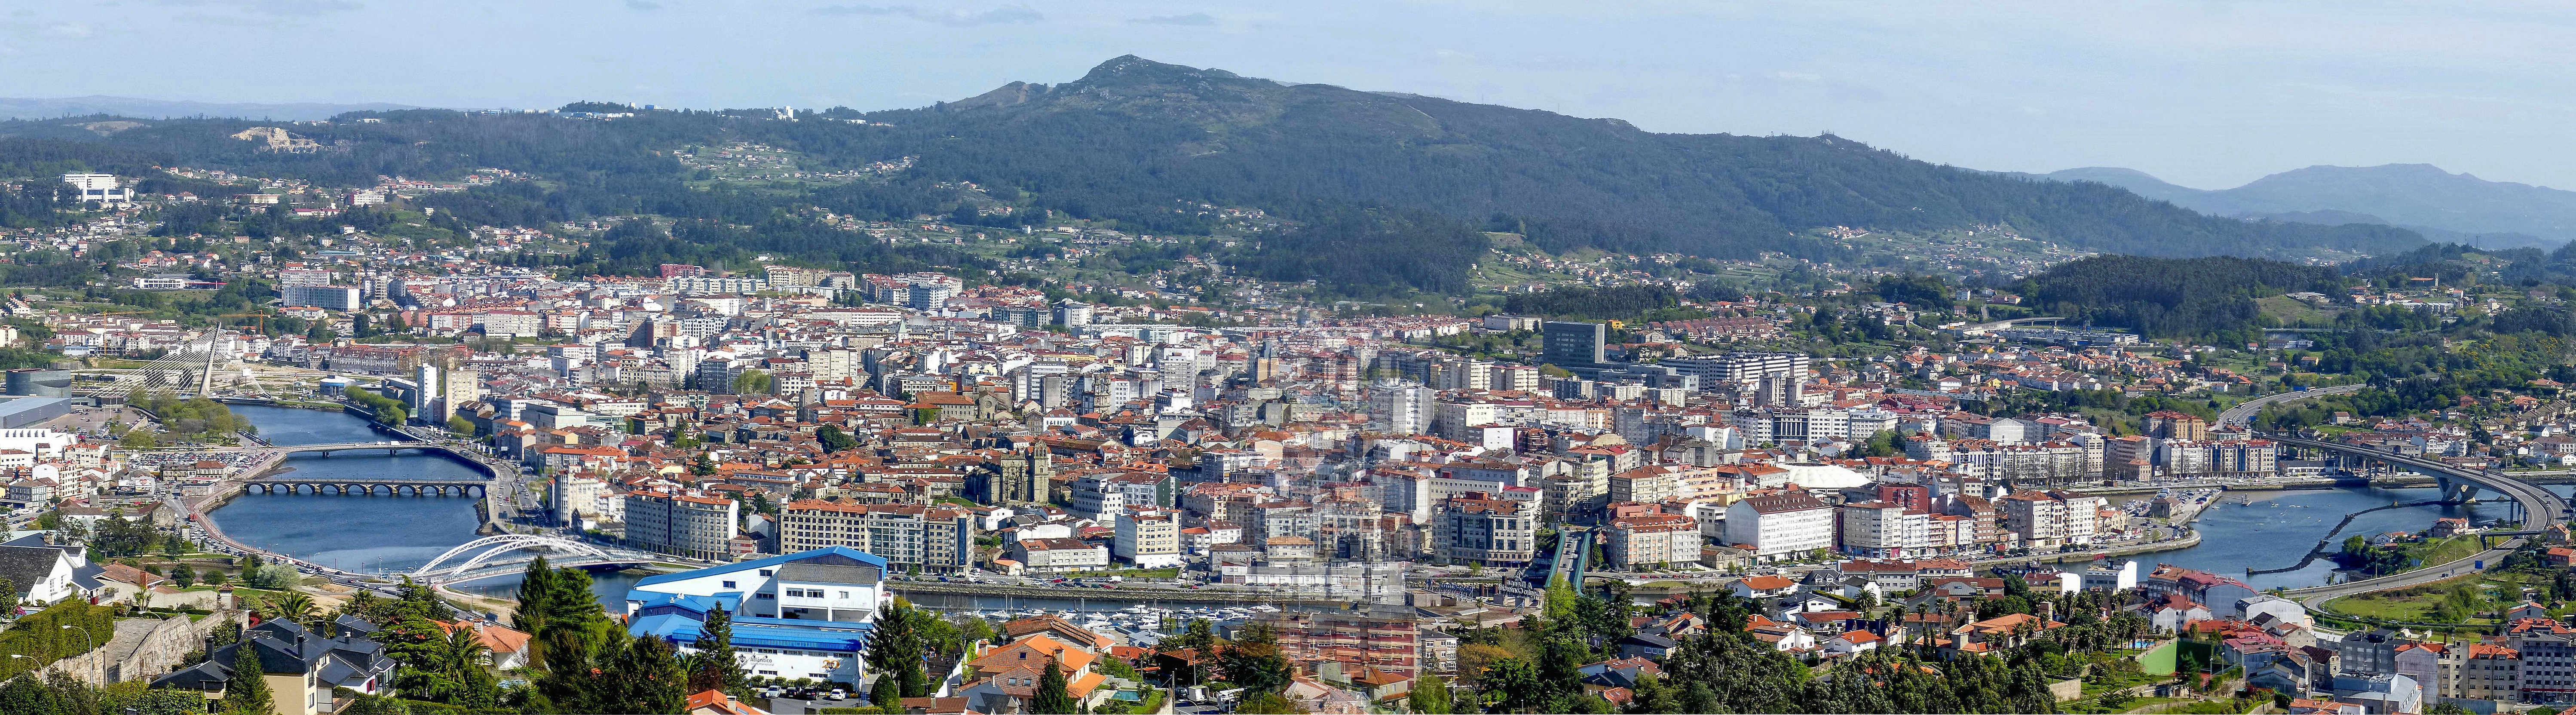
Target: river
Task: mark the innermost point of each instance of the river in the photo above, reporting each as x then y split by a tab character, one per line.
2279	527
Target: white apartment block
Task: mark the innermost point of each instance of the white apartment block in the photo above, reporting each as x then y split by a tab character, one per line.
1776	525
1149	537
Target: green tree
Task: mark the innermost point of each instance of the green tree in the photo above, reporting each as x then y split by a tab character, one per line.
1430	695
1511	684
458	424
247	692
298	608
834	440
715	666
898	647
752	382
1052	697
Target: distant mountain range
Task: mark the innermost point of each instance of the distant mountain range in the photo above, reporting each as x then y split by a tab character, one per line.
2443	206
52	107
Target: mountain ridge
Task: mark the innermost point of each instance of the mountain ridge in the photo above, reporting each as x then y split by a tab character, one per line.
141	108
2421	197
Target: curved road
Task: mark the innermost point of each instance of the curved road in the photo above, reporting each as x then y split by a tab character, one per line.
2246	410
2541	508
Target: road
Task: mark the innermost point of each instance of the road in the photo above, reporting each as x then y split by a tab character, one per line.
2316	596
2246	410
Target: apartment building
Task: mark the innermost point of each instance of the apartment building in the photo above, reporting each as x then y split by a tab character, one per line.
2547	672
1387	638
1149	537
1653	540
1780	524
1648	484
1486	528
690	524
936	539
1886	531
2045	520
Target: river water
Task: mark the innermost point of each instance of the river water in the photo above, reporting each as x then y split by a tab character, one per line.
354	532
2277	528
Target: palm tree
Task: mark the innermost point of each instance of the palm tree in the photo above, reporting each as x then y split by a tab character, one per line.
298	609
462	652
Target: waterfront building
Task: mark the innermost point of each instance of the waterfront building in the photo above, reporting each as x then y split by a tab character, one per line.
1149	537
938	539
1059	554
2045	520
802	615
690	524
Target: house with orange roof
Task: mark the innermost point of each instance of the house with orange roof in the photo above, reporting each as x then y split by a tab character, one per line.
507	648
1005	679
1993	635
716	702
1058	628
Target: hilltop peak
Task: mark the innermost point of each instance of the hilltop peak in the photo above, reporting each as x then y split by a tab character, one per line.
1131	69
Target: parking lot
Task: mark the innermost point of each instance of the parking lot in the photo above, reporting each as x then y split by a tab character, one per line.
91	422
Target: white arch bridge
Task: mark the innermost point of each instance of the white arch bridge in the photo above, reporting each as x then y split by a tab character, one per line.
470	559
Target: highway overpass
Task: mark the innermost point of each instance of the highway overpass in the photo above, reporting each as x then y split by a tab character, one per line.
2540	509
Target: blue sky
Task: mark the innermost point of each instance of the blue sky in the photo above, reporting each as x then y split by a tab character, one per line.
2205	94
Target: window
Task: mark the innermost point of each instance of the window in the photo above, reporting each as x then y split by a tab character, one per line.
764	572
728	584
767	596
765	651
845	594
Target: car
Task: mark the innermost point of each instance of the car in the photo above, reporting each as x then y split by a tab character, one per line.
839	694
770	692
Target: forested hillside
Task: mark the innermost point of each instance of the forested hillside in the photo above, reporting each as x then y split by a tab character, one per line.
1374	192
2168	298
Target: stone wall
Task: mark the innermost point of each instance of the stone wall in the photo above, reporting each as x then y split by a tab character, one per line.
142	648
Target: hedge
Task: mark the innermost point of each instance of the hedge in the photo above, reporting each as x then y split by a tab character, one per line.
43	639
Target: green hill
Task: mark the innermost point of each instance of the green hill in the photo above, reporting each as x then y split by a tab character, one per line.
1376	191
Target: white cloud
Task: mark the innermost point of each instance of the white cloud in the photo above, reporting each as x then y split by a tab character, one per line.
953	17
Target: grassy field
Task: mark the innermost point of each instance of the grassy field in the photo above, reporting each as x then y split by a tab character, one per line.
2443	551
2418	604
2159	660
2291	312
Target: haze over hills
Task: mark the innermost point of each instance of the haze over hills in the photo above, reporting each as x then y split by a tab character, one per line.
2422	197
52	107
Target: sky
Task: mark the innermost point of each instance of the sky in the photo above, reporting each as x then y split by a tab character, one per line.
2203	94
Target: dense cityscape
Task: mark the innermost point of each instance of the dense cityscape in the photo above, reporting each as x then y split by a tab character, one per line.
1169	390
